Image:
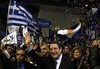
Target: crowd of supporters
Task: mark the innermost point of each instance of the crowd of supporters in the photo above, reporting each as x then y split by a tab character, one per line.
74	53
35	55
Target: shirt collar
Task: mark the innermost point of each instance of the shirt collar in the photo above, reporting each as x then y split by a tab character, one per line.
59	59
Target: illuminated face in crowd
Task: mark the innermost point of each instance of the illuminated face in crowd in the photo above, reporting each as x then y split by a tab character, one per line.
77	54
20	55
9	49
44	50
66	50
55	51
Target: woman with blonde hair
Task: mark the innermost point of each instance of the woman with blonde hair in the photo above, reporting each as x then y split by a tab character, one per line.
80	61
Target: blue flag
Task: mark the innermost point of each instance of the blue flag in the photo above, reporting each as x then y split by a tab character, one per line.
19	16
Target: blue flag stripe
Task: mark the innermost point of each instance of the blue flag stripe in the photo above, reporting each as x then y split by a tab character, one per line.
17	19
16	24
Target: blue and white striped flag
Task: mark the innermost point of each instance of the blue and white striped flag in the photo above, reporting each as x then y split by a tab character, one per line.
19	16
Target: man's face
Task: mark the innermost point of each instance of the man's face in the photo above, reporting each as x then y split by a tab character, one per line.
55	51
20	54
44	50
9	49
66	50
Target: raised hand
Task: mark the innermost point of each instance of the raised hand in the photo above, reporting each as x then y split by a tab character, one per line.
27	38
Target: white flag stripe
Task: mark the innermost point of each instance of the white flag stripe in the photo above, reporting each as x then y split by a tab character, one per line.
34	22
16	16
67	31
33	26
77	28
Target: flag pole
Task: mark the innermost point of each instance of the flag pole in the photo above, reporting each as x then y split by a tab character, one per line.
9	6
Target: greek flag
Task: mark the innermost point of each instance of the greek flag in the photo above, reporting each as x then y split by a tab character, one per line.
19	16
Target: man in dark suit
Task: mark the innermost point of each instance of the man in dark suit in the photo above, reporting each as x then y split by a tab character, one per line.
56	56
62	62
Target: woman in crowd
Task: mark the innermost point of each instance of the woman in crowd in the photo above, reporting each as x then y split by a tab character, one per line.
79	61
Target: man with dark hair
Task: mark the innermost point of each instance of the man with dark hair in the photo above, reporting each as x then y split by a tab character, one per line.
63	62
56	60
20	62
9	48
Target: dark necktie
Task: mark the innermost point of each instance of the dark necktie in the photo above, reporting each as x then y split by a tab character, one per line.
55	63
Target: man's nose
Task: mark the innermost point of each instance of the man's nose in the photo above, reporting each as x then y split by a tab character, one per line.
53	50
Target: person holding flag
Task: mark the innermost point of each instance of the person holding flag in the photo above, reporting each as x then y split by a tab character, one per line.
18	16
